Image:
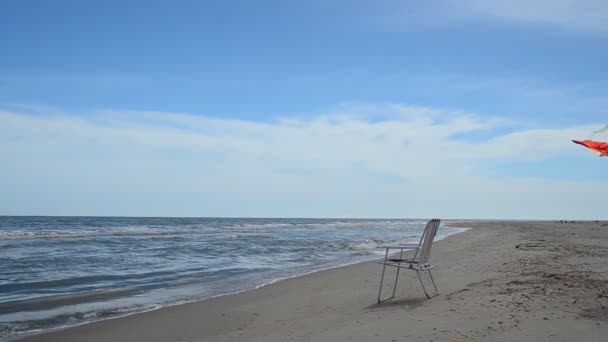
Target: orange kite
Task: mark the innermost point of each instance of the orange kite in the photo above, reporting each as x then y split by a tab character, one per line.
598	146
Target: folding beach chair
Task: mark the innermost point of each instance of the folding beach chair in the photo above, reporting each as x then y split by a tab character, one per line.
419	262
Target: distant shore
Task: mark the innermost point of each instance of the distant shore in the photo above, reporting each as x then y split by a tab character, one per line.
500	281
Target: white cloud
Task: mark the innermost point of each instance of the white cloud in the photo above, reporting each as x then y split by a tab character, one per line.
412	162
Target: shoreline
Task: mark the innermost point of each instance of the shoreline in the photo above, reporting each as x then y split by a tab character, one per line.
298	309
31	334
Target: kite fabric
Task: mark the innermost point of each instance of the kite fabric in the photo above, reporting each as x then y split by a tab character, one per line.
598	146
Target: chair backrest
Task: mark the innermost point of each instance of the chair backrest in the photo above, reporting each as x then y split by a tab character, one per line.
426	241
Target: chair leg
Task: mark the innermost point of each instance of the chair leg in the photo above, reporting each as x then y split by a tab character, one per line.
433	280
397	276
382	278
396	279
422	284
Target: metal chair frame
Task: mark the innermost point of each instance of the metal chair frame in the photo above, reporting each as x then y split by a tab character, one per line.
419	262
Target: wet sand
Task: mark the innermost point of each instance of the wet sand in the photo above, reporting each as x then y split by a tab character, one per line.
499	281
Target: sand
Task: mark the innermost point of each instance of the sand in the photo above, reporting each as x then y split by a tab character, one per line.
499	281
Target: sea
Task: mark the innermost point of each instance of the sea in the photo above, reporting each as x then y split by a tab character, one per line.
57	272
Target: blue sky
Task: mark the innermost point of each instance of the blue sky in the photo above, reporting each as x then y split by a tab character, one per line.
316	109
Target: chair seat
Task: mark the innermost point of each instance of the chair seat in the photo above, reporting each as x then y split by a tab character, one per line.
402	246
406	263
402	260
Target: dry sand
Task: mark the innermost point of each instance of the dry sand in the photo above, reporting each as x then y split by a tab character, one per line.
500	281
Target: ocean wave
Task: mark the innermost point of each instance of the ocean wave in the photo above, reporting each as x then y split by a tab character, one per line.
18	329
79	233
50	302
127	231
146	231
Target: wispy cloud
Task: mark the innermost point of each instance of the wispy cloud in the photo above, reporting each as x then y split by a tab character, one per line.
584	15
412	162
589	16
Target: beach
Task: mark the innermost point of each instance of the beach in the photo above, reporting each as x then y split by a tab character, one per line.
498	281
